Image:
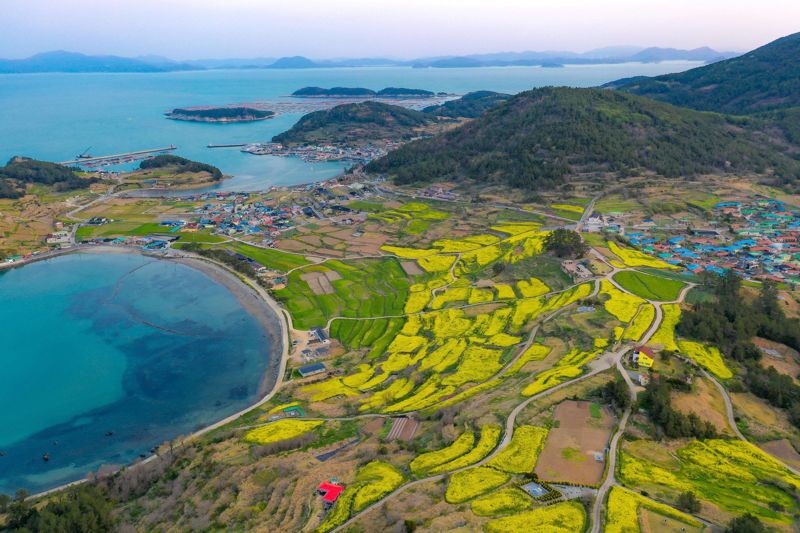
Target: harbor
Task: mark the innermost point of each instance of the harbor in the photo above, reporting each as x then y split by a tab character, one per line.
118	159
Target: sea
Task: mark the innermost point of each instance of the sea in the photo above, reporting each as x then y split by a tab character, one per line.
55	117
105	356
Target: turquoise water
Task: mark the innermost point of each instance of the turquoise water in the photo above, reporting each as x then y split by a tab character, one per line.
57	116
144	348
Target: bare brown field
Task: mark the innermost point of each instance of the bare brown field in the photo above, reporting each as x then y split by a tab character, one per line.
320	282
780	357
411	268
762	419
651	522
706	402
783	450
569	453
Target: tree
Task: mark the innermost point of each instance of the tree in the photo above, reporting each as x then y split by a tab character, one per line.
617	393
5	499
565	243
745	524
82	510
689	502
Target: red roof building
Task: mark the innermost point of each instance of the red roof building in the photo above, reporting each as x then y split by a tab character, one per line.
329	492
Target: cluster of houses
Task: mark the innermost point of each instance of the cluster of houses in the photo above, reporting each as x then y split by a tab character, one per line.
756	237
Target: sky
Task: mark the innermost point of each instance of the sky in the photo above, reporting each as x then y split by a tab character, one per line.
403	29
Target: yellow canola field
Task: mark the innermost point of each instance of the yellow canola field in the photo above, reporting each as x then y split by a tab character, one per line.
520	456
490	436
570	366
635	258
536	352
284	429
665	334
532	288
408	253
517	228
468	484
505	292
567	207
503	501
566	517
620	304
504	340
377	479
436	263
449	295
418	298
328	389
477	296
641	323
477	364
422	465
709	357
396	390
622	515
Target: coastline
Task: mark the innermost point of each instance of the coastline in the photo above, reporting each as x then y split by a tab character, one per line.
256	301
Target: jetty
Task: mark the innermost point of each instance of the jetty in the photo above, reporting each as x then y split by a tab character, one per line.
119	158
225	145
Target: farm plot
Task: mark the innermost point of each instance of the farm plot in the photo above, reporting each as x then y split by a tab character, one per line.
648	286
733	475
364	288
665	334
626	509
575	444
566	517
635	258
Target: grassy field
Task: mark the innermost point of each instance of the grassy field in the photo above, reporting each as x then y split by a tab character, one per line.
649	287
735	476
271	257
365	288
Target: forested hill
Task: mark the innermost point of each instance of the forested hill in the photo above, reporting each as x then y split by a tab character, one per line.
354	124
471	105
765	79
22	171
539	137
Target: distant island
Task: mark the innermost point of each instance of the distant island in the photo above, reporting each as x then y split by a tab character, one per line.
361	92
220	114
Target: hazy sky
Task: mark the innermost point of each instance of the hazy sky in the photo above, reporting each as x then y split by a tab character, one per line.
185	29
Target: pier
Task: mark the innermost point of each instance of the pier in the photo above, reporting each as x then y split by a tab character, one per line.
225	145
118	158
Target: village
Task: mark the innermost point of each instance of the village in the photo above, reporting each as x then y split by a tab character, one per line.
756	237
324	152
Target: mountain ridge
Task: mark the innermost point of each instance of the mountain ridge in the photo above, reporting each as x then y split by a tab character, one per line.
763	79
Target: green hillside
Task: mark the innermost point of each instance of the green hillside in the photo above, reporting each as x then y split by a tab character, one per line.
765	79
354	124
471	105
540	137
19	172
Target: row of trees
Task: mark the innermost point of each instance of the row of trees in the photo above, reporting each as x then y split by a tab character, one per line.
675	424
731	321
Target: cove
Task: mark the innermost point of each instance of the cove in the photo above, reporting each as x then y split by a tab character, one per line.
104	356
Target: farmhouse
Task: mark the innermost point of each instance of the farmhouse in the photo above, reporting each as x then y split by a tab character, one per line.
330	492
643	357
